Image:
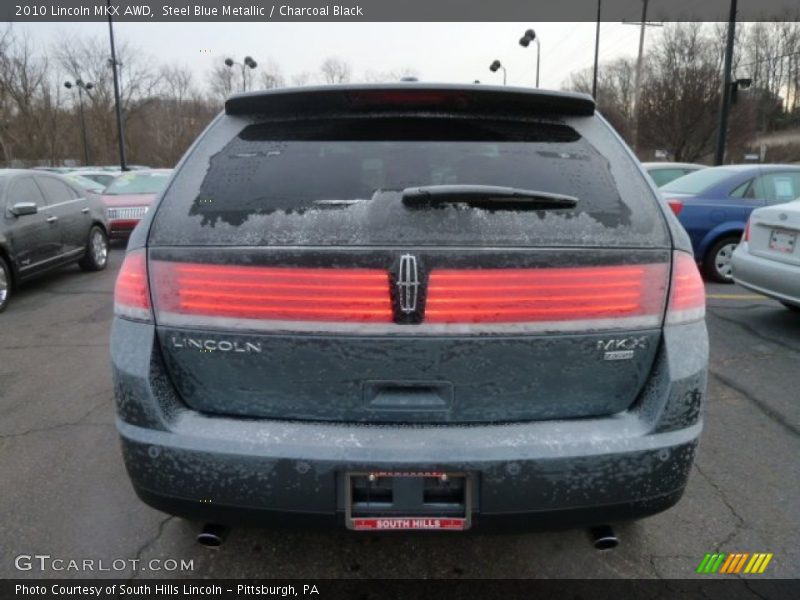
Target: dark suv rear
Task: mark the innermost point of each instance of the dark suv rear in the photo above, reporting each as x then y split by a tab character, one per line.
409	307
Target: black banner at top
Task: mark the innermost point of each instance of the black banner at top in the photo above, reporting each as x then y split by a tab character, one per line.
394	10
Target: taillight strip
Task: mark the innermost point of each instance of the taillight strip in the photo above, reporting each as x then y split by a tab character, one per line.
309	285
456	301
264	299
272	293
544	294
247	273
570	273
510	298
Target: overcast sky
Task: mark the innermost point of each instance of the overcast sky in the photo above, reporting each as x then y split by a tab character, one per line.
452	52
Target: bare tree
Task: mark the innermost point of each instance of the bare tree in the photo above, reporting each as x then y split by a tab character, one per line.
302	78
615	86
221	81
334	70
271	76
680	93
26	102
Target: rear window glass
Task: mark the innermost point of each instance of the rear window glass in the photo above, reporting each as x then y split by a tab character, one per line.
664	176
55	190
138	183
85	182
697	182
340	181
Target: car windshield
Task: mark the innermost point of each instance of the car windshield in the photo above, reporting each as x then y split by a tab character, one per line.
138	183
85	182
697	182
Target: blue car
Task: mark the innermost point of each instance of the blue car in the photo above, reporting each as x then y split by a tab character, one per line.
713	205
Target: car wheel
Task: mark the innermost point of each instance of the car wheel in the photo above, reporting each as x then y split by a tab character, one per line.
5	283
717	263
794	307
96	256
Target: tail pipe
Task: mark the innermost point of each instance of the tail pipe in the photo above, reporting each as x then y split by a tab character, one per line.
603	537
212	535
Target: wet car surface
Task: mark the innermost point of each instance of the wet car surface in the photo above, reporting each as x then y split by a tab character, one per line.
742	494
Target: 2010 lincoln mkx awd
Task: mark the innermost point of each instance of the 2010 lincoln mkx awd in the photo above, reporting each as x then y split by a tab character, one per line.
409	306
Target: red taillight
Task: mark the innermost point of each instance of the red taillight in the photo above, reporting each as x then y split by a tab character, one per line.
746	234
675	205
131	292
687	299
271	293
551	295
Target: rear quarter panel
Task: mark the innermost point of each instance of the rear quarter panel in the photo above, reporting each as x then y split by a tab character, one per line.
707	219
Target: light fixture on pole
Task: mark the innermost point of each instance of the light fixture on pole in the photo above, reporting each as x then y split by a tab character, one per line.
495	66
525	41
247	63
79	83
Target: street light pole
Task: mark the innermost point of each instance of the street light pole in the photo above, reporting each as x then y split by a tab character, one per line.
120	132
525	41
497	65
81	86
83	127
247	63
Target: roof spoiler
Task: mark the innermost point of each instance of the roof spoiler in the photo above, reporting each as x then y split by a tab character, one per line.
393	98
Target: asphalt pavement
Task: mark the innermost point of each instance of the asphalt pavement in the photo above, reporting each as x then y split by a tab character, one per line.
64	491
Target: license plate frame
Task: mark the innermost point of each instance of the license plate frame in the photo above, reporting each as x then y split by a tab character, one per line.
782	240
410	522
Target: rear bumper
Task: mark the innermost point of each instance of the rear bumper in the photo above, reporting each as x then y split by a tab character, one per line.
769	277
538	474
213	468
122	227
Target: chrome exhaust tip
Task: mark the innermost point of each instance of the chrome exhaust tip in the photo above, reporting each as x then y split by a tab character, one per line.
212	535
603	537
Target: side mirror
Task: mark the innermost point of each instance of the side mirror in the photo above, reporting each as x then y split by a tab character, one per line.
24	208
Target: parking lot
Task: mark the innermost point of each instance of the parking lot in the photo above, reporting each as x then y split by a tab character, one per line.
65	492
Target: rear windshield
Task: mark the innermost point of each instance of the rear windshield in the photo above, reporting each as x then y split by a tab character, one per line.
340	181
697	182
138	183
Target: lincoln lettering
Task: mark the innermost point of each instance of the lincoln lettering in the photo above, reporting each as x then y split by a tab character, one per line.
215	345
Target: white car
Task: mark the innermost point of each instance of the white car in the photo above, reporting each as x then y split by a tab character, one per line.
767	260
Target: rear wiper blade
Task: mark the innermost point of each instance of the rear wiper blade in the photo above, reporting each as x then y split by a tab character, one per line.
492	197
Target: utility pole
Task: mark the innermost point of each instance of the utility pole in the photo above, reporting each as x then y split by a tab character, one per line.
637	87
637	84
725	102
596	50
120	133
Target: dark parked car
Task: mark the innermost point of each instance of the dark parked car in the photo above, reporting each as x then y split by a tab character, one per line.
47	222
714	204
409	307
663	173
129	197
